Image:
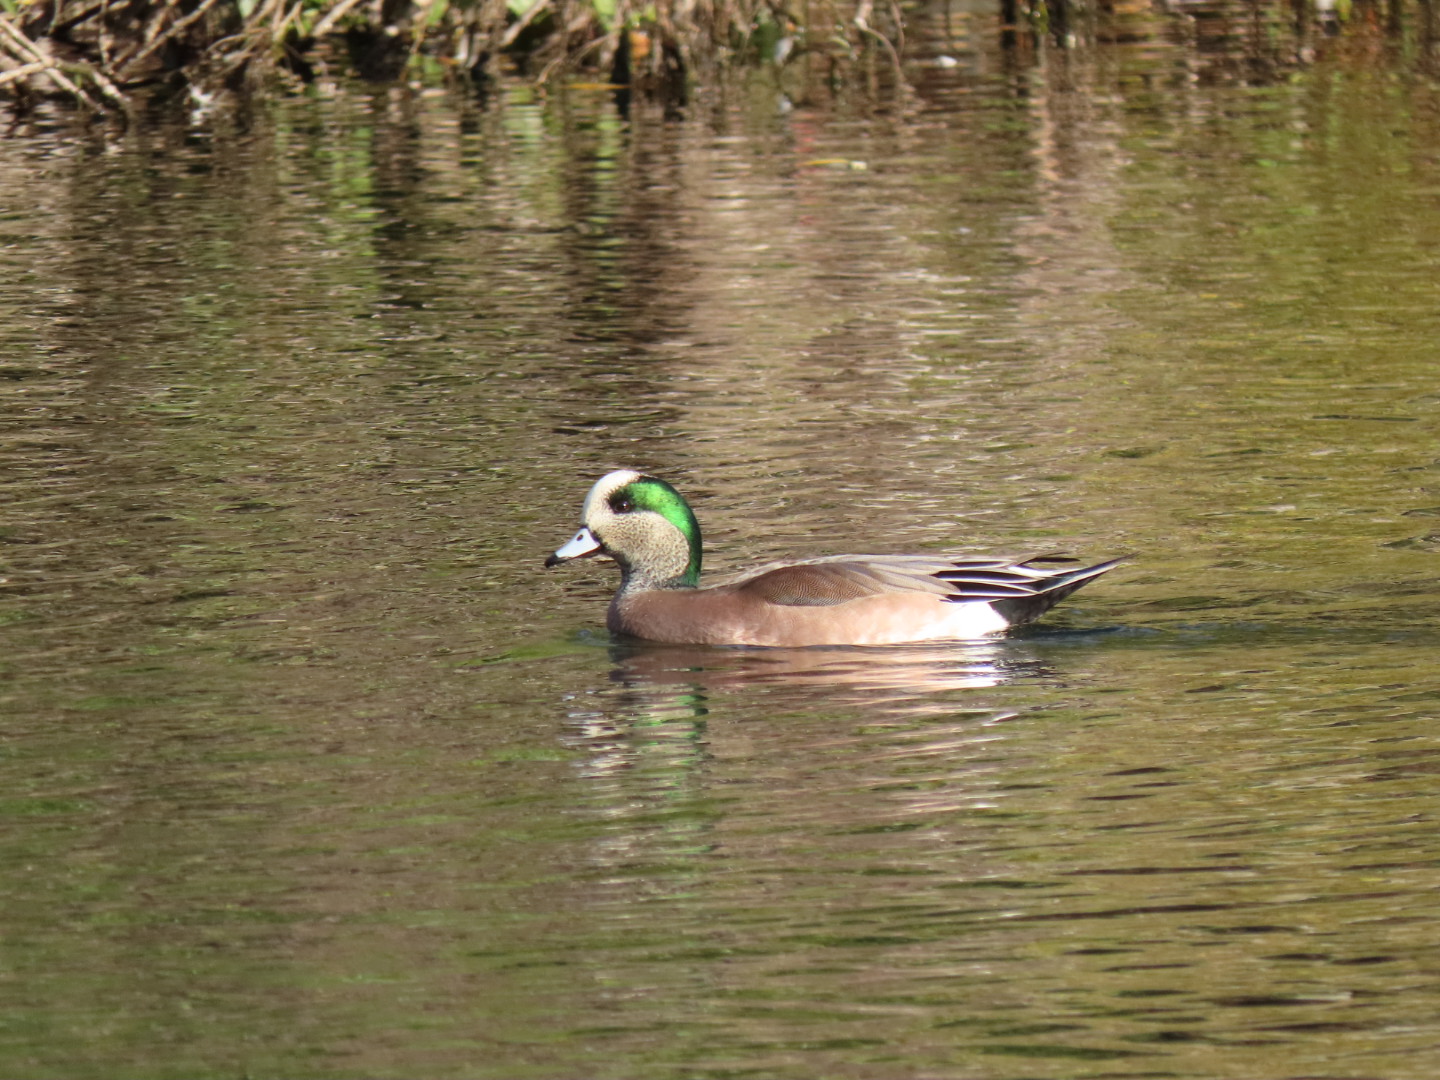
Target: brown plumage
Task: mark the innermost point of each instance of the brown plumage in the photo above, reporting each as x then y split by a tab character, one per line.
648	528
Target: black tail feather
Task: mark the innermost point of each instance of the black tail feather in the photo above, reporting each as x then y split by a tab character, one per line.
1047	593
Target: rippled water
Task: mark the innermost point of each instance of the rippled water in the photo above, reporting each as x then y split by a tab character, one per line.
311	770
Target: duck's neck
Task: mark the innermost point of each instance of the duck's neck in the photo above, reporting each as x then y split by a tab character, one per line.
664	575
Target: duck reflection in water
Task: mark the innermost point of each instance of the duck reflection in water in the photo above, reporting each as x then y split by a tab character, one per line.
662	700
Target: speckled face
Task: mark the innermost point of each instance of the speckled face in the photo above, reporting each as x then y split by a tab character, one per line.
646	493
597	500
641	522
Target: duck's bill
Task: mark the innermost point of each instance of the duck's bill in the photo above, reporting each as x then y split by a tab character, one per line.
582	546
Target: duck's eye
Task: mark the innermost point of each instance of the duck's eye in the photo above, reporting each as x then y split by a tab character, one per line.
621	503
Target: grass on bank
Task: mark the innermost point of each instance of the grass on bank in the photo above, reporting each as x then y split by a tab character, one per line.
106	55
100	53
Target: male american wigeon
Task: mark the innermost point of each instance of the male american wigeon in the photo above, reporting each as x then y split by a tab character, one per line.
647	527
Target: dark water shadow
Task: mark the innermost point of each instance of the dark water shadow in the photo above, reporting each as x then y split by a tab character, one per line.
1328	631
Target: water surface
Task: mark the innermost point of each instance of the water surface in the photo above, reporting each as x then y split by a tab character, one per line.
311	770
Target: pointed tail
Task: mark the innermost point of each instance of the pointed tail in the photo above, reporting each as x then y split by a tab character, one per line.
1048	593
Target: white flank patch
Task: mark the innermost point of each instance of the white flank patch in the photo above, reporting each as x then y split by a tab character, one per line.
973	620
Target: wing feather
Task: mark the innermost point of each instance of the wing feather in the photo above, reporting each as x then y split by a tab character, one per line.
840	579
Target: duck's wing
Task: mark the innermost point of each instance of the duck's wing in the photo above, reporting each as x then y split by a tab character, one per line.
842	578
1021	590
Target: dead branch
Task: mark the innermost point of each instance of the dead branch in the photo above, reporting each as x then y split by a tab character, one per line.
176	28
333	16
25	50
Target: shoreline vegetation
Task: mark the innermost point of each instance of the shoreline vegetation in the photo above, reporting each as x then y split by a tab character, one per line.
105	56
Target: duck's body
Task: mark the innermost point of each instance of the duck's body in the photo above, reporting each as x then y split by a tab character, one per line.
648	528
843	600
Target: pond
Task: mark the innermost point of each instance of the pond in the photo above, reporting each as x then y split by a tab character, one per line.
311	770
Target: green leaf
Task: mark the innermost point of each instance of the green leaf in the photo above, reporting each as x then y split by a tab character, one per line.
247	7
605	11
519	8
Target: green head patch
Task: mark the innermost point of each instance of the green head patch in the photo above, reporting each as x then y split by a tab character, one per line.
648	493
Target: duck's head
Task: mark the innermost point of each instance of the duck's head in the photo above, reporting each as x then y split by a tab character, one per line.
642	523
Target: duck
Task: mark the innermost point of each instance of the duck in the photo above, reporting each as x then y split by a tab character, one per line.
646	526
